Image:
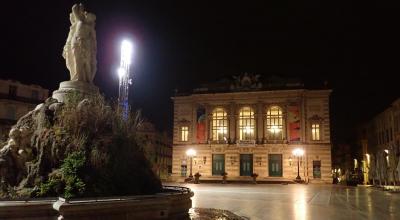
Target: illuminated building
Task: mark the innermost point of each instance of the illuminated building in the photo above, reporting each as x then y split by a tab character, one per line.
246	126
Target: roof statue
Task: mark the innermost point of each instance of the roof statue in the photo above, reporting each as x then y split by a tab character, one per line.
246	81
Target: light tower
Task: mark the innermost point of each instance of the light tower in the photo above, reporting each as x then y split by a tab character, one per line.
123	74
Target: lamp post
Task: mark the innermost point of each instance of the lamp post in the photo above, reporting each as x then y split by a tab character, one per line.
123	75
298	153
191	153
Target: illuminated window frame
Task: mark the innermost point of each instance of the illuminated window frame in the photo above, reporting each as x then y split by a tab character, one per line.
246	124
184	133
315	131
219	124
275	123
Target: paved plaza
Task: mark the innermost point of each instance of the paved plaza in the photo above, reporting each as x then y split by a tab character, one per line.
297	201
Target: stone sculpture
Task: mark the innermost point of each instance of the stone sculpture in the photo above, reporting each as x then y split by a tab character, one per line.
80	56
80	49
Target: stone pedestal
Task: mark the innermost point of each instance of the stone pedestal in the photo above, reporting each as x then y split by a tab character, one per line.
85	90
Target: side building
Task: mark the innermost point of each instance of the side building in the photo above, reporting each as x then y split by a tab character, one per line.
380	143
158	149
247	126
17	99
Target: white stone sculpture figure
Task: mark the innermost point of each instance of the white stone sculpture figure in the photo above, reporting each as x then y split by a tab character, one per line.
80	49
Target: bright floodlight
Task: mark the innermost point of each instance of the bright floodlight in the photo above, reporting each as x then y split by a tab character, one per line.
126	52
191	152
298	152
121	72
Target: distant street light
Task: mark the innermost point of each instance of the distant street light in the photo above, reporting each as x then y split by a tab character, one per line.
191	153
123	75
298	153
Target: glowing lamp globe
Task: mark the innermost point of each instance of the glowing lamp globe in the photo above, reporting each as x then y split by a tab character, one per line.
191	152
298	152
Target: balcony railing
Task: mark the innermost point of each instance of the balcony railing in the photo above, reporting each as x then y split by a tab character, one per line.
246	142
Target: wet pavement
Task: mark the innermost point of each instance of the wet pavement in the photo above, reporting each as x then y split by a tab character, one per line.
298	201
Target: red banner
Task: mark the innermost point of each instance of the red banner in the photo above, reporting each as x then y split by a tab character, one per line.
294	122
201	125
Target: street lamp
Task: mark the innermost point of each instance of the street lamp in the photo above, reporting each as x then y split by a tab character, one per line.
123	75
191	153
387	156
298	153
368	159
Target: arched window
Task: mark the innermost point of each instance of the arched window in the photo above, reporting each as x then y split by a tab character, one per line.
246	124
316	131
274	125
219	124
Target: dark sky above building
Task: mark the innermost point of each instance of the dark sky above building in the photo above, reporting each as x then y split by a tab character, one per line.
179	44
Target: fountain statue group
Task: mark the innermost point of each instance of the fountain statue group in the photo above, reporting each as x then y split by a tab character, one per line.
22	157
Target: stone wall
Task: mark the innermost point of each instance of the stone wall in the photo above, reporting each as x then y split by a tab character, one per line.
173	204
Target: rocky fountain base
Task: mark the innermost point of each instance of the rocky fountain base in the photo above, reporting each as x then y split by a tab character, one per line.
78	159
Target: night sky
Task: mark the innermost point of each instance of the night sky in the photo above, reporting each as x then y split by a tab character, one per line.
352	44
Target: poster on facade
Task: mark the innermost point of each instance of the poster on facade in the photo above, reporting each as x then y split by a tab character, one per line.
294	122
201	125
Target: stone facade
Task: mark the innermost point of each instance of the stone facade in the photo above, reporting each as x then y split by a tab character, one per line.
244	146
17	99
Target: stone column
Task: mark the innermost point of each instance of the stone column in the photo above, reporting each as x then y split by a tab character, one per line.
260	123
194	122
208	123
232	122
286	130
303	119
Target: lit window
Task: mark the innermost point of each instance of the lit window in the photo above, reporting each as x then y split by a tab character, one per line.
219	124
274	123
184	133
315	134
246	124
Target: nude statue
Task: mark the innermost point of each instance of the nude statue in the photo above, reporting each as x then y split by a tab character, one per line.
81	46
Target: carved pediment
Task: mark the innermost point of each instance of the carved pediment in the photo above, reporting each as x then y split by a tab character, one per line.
316	118
276	150
217	150
184	121
246	150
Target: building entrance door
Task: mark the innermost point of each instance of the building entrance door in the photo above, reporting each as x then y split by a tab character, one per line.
275	164
246	164
218	164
